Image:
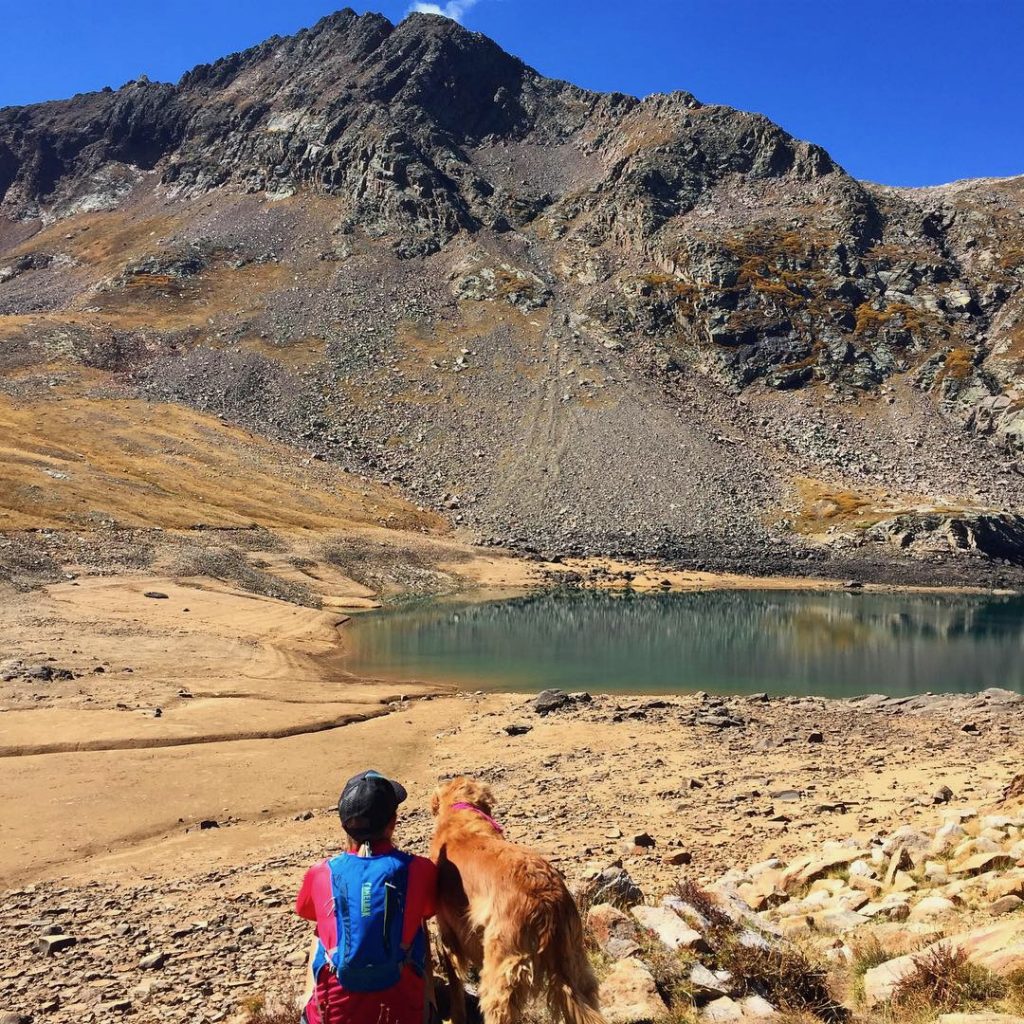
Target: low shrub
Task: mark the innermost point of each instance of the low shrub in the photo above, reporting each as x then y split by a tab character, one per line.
784	976
945	980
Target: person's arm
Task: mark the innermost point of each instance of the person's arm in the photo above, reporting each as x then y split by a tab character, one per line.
422	898
305	905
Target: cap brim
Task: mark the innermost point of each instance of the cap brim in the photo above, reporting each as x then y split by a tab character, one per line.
400	794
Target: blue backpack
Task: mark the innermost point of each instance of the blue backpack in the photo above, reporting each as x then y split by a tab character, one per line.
369	906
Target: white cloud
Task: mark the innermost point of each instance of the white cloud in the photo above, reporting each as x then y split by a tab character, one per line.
454	9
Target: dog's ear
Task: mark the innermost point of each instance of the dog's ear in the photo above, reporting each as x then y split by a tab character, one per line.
435	802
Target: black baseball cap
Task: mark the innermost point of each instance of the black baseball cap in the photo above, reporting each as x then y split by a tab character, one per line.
368	802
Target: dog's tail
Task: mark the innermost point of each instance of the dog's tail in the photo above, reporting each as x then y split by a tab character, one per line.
572	995
575	1005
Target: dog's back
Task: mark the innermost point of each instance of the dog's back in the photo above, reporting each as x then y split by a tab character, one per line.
506	910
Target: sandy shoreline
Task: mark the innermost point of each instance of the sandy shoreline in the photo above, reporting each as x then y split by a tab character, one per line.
208	703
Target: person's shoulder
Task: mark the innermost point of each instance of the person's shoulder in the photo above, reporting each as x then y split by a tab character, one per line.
422	865
315	869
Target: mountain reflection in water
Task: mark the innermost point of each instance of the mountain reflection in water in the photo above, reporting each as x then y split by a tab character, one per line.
800	642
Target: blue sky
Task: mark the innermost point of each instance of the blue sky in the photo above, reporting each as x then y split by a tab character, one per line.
906	92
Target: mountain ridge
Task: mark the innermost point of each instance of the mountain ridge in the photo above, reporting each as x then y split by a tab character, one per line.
537	308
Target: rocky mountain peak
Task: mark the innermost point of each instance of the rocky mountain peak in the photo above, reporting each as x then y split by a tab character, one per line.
695	267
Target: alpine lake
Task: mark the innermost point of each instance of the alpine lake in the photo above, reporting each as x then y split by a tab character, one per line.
801	642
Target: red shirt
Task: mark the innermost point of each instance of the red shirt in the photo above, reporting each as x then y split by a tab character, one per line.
403	1003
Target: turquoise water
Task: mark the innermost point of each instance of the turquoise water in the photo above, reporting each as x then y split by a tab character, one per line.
783	642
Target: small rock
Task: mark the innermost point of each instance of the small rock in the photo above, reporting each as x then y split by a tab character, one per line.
550	700
757	1008
629	994
721	1011
644	840
678	858
706	984
156	595
1005	905
983	1017
50	944
816	737
942	795
517	730
153	962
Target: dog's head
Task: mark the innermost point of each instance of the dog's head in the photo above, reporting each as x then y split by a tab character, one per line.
462	791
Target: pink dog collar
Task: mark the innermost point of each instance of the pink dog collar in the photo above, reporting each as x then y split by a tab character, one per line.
476	810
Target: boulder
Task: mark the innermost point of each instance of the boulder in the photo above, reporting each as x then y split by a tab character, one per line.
931	908
895	907
909	838
979	863
881	981
669	928
614	931
805	870
726	1009
677	858
835	922
947	836
998	948
613	885
1008	885
866	884
763	891
629	994
900	861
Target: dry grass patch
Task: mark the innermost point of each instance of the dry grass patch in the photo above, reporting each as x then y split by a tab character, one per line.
706	905
944	980
959	363
783	975
824	505
262	1009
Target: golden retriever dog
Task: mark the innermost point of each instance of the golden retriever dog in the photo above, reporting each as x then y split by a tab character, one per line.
505	911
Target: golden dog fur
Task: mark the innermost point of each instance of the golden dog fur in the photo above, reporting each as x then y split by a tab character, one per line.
507	912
